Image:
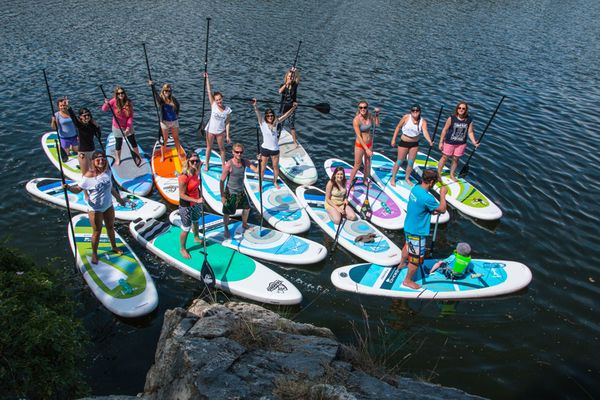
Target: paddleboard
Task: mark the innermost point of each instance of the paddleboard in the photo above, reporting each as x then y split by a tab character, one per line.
382	250
166	172
131	177
120	282
211	179
381	172
235	273
486	278
71	166
294	162
280	206
50	189
386	212
267	244
463	196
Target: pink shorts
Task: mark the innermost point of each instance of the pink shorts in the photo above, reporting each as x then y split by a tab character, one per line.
456	150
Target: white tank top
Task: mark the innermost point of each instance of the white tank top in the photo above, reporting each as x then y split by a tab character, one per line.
99	190
410	129
216	124
270	137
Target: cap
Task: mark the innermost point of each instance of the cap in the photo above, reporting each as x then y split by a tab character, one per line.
464	249
415	107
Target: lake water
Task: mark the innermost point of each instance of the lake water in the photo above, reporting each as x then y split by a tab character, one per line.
537	160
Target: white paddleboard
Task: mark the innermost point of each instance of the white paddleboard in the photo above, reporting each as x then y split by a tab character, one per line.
211	191
70	166
136	179
294	162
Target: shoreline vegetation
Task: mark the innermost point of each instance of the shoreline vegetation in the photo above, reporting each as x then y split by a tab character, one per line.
42	343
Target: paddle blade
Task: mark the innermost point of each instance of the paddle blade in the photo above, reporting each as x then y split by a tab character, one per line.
323	108
464	171
207	274
136	159
365	210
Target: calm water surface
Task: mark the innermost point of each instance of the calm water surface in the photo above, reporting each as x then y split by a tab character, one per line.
537	161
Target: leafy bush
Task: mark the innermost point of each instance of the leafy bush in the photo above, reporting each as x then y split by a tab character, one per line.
42	344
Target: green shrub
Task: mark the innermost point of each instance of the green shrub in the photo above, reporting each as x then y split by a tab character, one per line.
42	344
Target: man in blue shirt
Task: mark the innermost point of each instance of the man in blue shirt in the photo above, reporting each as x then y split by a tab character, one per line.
421	205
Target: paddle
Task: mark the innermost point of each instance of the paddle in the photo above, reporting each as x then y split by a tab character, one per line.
343	221
201	126
206	272
323	108
135	156
160	137
433	137
437	220
293	68
465	169
259	176
62	174
365	209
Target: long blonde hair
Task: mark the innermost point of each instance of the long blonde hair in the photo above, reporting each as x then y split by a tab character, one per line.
190	169
296	79
358	109
163	95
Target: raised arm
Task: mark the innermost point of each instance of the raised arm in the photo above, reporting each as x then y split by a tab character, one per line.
209	89
289	112
375	117
257	111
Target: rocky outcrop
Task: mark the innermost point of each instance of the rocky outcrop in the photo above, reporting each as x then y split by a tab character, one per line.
243	351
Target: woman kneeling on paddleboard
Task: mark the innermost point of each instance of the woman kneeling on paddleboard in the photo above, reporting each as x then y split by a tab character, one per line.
97	182
190	201
363	123
218	125
336	201
122	122
270	134
453	139
412	126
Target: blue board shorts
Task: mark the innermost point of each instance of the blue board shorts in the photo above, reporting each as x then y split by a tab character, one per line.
416	248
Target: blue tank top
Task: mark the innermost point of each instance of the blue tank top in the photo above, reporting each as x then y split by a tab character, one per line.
457	133
66	126
168	112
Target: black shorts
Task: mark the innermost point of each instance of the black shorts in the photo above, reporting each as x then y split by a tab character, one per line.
408	145
268	153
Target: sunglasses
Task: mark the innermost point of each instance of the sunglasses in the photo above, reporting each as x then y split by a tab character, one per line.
238	151
269	115
415	110
85	116
167	90
194	161
120	93
363	107
462	108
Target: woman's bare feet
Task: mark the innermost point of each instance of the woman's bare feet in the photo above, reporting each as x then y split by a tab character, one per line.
117	250
185	254
411	285
94	258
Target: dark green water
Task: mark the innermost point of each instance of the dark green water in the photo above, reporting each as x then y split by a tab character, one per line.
538	161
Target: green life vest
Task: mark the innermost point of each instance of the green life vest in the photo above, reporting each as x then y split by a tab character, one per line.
460	263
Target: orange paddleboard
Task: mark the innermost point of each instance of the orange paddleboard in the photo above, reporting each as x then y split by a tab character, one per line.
166	171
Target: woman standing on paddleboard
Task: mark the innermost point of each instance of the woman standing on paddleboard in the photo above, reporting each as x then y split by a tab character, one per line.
87	129
270	134
363	123
336	201
453	139
288	91
62	122
412	126
190	201
218	125
169	118
122	121
97	182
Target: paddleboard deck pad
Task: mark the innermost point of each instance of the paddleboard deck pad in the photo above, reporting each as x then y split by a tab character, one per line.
280	207
166	171
267	244
136	179
235	273
120	282
381	250
70	166
294	162
50	190
485	278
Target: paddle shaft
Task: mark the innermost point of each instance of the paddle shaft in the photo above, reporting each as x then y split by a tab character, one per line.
259	176
62	174
435	228
293	67
206	268
152	88
465	168
324	108
136	158
343	221
205	71
433	137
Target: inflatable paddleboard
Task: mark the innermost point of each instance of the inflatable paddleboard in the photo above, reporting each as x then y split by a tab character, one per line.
166	172
120	282
211	191
131	177
50	189
461	194
381	172
70	167
386	212
382	250
485	278
280	206
267	244
235	273
294	162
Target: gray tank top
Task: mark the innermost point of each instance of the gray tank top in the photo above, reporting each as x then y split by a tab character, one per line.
235	182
